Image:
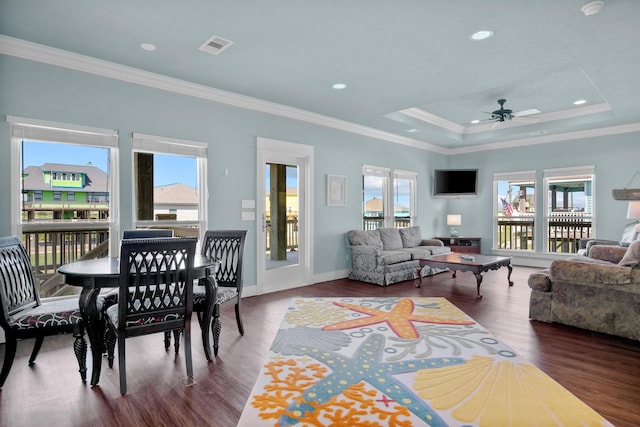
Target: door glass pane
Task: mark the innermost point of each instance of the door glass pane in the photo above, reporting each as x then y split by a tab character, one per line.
281	215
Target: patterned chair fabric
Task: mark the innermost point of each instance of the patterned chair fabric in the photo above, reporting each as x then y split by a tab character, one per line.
155	294
25	316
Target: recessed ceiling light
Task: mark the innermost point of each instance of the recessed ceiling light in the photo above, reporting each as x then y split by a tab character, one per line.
475	122
580	102
481	35
592	8
148	47
413	130
339	86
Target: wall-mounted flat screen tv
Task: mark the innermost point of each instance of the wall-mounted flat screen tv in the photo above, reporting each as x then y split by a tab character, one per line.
455	182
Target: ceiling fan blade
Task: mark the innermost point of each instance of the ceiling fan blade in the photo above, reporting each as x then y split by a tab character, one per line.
523	119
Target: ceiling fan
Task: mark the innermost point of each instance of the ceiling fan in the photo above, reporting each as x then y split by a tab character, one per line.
503	114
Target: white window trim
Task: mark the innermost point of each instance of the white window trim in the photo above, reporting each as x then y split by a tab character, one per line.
181	147
45	131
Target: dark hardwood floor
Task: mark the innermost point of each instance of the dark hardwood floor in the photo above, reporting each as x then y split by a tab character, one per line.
601	370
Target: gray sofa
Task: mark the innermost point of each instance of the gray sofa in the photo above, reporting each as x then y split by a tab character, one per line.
600	292
390	255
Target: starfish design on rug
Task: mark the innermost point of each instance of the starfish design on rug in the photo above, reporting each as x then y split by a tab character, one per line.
399	319
366	365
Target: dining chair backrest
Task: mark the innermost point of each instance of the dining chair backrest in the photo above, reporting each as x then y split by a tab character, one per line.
18	289
155	284
144	233
226	246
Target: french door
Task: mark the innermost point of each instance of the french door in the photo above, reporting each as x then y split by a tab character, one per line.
284	221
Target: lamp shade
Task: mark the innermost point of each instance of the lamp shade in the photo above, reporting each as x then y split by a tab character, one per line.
633	211
454	219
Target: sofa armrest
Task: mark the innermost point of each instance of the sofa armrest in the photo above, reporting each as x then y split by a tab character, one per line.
586	273
609	253
364	257
431	242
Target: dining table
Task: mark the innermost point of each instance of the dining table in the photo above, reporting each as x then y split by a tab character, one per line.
95	275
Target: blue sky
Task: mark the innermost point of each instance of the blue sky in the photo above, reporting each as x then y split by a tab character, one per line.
167	169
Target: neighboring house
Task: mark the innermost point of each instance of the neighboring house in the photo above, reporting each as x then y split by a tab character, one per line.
60	191
175	199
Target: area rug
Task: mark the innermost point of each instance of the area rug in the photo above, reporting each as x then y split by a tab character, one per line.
400	362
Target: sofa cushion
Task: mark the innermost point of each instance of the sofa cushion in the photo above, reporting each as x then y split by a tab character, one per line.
365	238
418	252
390	237
411	236
632	257
393	257
438	250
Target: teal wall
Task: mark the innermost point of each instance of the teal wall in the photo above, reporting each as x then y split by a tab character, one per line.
39	91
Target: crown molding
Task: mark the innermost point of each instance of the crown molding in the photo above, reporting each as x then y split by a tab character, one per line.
61	58
44	54
546	139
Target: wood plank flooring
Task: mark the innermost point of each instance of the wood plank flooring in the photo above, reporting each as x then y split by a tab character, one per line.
601	370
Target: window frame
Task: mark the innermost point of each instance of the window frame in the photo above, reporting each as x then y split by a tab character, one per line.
390	175
153	144
566	173
522	176
33	130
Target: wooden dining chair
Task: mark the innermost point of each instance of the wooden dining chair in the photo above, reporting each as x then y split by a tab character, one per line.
227	247
155	295
25	316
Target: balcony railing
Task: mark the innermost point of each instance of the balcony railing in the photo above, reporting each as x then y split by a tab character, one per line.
50	247
292	234
375	222
565	229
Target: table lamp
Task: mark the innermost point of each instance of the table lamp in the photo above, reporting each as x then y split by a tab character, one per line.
633	212
452	221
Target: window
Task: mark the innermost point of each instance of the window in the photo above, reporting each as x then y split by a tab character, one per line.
170	184
568	207
388	197
71	197
52	231
514	213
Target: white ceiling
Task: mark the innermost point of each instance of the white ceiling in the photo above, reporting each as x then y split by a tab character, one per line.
407	64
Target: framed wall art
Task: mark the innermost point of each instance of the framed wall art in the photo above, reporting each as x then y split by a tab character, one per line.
336	190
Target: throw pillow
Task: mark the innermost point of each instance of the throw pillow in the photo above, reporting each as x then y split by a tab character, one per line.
411	236
632	256
390	237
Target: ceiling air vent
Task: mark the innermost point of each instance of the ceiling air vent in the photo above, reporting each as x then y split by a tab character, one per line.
215	45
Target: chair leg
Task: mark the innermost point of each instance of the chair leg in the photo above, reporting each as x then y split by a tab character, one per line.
110	339
176	339
36	349
167	340
187	352
239	319
9	354
122	366
216	328
80	348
